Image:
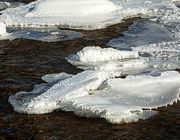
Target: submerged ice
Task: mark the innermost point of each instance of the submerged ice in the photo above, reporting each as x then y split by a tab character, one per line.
44	34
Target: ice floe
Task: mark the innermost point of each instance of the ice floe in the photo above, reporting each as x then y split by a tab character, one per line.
77	14
123	100
98	94
80	14
101	92
100	54
109	59
51	97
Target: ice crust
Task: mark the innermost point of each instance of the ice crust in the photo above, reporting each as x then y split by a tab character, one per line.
94	14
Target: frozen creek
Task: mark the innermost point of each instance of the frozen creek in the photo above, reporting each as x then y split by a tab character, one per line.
100	91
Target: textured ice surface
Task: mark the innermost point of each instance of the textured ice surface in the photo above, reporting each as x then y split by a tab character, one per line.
123	100
109	59
73	14
165	54
83	14
95	94
45	35
100	54
49	97
142	33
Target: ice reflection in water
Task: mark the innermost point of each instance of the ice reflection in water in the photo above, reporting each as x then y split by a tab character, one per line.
44	35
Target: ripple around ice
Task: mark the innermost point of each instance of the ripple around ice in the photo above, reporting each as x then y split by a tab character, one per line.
44	35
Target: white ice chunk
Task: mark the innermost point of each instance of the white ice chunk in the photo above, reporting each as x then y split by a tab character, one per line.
69	8
80	14
123	100
94	94
53	98
97	54
109	59
73	14
51	78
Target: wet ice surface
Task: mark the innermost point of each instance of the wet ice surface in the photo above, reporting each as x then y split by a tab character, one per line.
142	33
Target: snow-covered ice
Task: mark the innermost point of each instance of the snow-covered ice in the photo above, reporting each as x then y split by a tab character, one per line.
73	14
109	59
94	14
101	92
98	94
100	54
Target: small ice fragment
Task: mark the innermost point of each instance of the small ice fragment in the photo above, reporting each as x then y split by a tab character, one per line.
101	55
51	78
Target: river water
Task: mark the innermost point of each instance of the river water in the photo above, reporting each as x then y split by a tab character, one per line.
23	62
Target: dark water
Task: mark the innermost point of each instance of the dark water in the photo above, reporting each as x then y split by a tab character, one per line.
23	62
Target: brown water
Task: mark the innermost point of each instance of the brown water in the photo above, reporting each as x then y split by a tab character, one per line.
23	62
